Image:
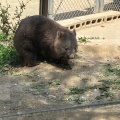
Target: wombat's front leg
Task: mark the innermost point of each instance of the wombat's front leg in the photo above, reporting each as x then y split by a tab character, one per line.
65	63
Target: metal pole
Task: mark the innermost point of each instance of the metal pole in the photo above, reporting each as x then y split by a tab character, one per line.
40	7
43	7
50	8
97	5
101	6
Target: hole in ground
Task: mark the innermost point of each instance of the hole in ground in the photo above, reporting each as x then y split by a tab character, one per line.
78	25
88	22
99	20
72	27
109	18
83	24
93	21
115	17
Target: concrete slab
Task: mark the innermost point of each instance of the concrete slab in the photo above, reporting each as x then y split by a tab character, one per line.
90	20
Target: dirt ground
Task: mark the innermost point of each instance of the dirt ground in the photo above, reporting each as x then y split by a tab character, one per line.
47	86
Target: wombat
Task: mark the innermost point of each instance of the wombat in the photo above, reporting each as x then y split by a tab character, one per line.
38	36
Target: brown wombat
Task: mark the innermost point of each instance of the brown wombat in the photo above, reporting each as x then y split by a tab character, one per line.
39	36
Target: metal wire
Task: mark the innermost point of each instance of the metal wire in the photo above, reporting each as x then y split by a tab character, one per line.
58	7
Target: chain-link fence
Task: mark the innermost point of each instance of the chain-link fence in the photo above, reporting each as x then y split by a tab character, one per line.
112	5
65	9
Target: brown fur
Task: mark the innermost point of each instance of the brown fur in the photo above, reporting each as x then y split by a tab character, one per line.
39	36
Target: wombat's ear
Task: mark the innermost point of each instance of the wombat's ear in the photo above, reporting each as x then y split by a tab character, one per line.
59	34
74	31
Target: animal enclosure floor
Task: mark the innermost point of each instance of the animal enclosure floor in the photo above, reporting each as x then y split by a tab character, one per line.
94	78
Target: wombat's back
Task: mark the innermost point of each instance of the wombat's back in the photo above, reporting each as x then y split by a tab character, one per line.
38	26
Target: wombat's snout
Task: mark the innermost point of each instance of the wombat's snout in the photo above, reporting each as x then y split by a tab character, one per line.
73	54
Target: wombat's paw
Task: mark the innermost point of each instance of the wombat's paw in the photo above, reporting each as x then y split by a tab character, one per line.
68	67
29	64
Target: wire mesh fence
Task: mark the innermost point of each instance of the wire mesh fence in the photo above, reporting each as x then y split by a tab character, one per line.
65	9
112	5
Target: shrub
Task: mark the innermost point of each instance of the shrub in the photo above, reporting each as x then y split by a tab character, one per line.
8	55
6	26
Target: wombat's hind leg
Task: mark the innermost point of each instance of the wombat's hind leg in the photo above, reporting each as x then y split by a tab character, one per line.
22	62
29	59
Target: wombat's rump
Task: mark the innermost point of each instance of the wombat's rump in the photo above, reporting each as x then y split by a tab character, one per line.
39	36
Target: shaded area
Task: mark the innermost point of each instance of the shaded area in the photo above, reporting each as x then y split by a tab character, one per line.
45	86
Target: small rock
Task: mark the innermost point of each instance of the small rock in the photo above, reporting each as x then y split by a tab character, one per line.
52	96
36	93
102	94
95	90
5	68
102	25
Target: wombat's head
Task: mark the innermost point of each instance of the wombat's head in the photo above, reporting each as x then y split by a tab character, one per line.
65	44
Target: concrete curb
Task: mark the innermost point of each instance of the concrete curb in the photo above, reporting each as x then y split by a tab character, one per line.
90	20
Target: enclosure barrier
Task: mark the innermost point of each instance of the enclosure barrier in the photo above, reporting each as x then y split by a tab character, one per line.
66	9
77	14
90	20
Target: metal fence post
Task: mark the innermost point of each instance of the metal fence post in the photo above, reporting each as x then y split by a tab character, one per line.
101	6
50	8
40	7
96	8
43	7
